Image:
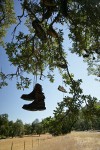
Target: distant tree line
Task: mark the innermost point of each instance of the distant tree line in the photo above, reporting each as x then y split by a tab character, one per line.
57	125
18	128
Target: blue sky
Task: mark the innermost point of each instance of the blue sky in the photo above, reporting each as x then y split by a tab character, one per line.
10	101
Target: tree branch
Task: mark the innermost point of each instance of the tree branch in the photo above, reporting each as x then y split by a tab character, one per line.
19	18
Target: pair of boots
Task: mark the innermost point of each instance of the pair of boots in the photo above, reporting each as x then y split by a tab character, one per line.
38	96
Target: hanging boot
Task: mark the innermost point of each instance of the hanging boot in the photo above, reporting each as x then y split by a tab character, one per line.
61	88
39	95
29	97
35	106
32	96
39	30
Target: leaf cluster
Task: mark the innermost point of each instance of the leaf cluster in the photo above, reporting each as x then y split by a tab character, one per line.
42	48
7	17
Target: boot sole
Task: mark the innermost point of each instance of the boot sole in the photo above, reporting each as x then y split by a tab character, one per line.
35	109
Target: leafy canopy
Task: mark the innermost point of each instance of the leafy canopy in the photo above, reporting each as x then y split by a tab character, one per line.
42	47
7	17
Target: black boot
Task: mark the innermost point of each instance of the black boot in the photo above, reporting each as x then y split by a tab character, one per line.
29	97
39	30
32	96
35	106
39	96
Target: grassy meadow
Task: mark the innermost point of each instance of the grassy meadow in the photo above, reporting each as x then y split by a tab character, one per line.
72	141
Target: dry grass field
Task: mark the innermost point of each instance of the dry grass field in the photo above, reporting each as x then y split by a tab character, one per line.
72	141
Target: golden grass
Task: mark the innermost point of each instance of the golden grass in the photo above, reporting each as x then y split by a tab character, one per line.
73	141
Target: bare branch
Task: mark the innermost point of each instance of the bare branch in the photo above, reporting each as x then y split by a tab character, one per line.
19	18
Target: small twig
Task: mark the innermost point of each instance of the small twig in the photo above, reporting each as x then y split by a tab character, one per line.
2	19
19	18
27	7
3	15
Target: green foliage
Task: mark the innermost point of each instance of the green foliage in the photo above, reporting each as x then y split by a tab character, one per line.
27	129
7	17
89	118
67	117
36	127
46	124
3	79
11	129
63	122
31	53
72	114
19	128
84	32
4	125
